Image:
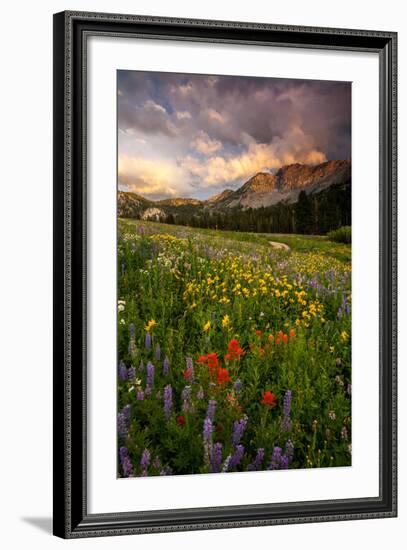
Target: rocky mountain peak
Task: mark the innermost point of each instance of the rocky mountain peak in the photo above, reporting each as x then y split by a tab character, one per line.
262	182
299	176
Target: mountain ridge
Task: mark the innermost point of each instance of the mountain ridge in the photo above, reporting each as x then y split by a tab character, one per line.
264	189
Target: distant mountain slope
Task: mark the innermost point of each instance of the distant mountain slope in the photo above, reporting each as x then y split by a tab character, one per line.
260	191
179	202
131	205
266	189
215	199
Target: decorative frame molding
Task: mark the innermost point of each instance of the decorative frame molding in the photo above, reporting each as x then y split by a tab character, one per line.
71	30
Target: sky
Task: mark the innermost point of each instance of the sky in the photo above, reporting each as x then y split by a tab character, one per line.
187	135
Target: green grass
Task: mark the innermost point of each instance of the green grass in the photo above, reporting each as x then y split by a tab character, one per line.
298	243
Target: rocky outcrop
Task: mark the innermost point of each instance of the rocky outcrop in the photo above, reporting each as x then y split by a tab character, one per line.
153	214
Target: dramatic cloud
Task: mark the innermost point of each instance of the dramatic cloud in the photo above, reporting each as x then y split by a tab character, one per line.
192	135
151	178
205	145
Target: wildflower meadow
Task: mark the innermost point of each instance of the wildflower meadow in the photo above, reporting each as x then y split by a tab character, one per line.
233	354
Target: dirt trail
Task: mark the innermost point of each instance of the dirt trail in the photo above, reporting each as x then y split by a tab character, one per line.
280	246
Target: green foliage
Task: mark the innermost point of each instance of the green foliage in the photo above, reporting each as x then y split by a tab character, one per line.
341	235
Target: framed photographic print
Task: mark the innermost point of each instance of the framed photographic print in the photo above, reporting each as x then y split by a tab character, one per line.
224	274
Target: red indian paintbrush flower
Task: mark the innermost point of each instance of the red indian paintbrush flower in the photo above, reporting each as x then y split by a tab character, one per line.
181	420
235	351
269	399
213	361
222	376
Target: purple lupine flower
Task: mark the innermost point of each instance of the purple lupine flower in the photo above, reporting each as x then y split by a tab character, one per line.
186	398
238	385
289	450
166	366
131	373
147	341
190	369
256	464
126	411
141	229
207	429
275	459
239	427
140	395
127	466
150	374
132	331
123	452
287	403
216	458
200	394
121	425
284	462
147	391
122	371
286	424
167	401
210	413
145	459
158	352
236	457
123	421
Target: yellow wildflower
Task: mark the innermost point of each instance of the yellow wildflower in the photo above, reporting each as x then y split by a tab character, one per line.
151	324
225	321
207	326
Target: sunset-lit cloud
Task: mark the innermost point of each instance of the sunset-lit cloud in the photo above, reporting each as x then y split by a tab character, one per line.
151	178
205	145
194	135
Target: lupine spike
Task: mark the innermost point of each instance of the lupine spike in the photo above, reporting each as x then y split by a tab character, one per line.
167	400
166	366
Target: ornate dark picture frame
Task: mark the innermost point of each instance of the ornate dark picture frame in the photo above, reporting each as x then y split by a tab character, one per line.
71	518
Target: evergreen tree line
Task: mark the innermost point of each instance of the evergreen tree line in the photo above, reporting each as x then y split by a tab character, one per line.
313	214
